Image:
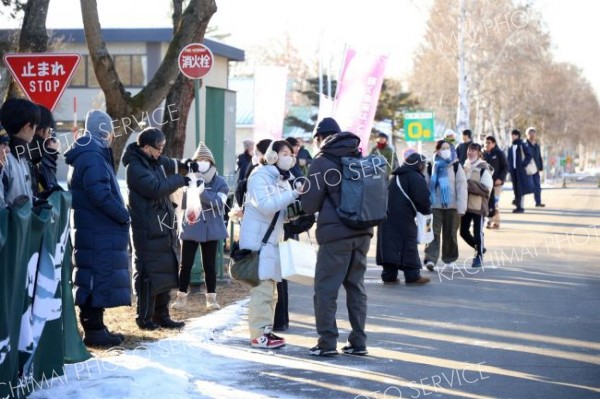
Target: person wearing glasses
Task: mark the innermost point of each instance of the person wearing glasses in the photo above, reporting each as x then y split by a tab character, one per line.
151	178
99	230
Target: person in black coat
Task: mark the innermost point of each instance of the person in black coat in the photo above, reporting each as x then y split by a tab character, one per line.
536	153
151	178
244	160
99	230
462	148
519	156
397	247
497	160
45	144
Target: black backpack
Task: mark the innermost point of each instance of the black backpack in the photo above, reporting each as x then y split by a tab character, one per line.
363	190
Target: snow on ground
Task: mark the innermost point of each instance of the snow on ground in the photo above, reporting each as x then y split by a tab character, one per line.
197	363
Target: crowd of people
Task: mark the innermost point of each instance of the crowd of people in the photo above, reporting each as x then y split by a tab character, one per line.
281	191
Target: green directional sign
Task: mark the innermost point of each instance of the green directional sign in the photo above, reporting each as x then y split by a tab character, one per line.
418	126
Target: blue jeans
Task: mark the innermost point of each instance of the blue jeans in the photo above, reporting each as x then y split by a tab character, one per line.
537	188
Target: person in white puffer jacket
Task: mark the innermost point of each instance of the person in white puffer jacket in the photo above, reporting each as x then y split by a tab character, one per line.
479	186
268	192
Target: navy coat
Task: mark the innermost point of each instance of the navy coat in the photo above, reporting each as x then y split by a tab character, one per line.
99	227
524	183
397	234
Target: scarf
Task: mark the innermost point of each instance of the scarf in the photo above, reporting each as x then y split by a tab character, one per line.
208	175
439	177
285	174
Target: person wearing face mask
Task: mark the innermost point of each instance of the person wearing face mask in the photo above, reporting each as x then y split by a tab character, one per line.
206	232
448	194
479	186
151	178
397	247
99	230
241	189
268	197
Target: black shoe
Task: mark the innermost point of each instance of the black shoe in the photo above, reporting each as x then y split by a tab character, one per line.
429	265
518	210
100	338
167	322
113	334
318	351
147	325
540	205
355	350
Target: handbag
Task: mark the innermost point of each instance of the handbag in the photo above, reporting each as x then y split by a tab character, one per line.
298	261
424	222
531	168
243	263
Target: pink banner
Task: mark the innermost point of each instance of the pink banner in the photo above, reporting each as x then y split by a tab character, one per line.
358	93
270	86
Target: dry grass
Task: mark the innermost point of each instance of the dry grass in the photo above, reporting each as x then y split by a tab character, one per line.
122	319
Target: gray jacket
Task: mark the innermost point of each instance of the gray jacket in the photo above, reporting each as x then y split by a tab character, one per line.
18	177
210	225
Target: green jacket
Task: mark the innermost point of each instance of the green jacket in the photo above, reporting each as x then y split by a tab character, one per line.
390	157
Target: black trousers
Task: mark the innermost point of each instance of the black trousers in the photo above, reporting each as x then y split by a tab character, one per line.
474	240
209	260
282	317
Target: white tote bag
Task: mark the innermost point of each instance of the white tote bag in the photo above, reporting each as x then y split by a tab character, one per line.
424	222
298	261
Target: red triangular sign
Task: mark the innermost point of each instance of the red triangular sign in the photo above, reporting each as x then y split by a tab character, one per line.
42	76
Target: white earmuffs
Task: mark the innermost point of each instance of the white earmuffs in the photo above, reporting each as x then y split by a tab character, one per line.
270	155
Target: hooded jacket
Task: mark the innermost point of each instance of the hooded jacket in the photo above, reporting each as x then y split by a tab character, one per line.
322	188
153	227
397	234
99	227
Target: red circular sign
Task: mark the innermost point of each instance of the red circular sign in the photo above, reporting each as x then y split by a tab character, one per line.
195	61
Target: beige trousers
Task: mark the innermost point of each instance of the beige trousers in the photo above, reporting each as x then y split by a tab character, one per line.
261	310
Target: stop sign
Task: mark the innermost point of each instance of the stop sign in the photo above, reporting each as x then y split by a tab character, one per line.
195	61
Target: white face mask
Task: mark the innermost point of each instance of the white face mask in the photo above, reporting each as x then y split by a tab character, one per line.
203	166
256	158
286	162
446	154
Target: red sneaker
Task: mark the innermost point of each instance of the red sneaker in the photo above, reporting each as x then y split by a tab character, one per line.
268	341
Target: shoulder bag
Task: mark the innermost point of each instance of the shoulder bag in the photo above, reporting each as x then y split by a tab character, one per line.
424	222
243	263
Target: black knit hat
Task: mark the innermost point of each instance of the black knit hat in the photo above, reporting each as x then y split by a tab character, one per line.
151	136
327	127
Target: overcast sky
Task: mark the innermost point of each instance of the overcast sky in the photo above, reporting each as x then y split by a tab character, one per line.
395	27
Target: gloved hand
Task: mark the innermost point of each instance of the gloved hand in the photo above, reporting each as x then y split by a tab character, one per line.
193	166
187	180
183	167
294	210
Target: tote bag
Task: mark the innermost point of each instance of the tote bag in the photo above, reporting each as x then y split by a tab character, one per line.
424	222
298	261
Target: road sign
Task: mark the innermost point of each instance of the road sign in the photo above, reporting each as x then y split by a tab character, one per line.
195	61
43	77
418	126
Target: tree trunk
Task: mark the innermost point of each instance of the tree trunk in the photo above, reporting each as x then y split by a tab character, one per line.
462	116
125	110
33	38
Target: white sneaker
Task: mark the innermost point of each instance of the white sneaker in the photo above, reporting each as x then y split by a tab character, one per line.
181	301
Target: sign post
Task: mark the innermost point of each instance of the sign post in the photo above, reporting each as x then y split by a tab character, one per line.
195	62
419	127
43	77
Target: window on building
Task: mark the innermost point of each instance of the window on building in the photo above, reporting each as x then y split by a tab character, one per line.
132	70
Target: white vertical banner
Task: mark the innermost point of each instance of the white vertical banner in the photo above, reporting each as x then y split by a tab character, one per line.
325	107
270	86
358	91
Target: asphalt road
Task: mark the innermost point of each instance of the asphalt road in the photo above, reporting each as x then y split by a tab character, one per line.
526	325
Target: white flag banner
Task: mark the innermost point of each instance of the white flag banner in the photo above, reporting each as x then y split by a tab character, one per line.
326	105
270	86
358	93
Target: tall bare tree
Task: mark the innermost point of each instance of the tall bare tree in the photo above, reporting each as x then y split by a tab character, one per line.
33	36
120	104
